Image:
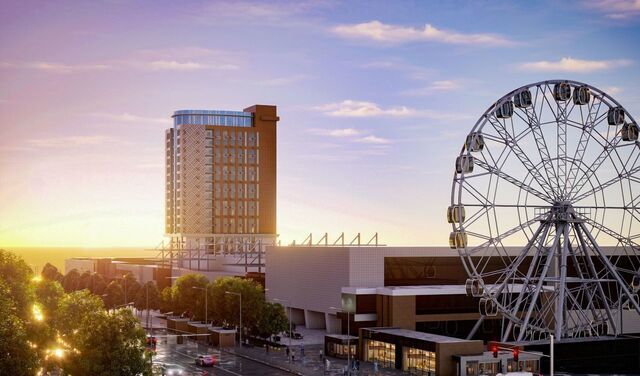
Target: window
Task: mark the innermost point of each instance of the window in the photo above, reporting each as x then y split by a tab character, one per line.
418	362
382	352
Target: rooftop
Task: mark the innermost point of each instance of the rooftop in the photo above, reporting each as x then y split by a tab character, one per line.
435	338
212	112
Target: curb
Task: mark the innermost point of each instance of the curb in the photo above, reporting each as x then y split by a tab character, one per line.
263	362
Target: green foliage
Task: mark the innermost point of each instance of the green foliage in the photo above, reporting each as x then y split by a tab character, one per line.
166	299
273	320
225	307
186	297
107	343
48	294
51	273
130	287
148	297
75	308
114	295
16	356
97	285
17	277
71	281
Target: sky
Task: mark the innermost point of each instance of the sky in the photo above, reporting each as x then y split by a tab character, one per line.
375	99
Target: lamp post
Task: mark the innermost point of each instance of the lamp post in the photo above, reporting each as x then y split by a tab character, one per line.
206	304
240	297
551	353
348	341
288	306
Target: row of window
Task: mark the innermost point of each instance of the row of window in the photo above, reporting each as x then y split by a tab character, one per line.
224	225
224	120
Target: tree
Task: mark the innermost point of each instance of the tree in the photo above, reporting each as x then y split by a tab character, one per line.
84	282
48	294
97	285
166	300
17	278
104	343
16	356
148	294
186	298
130	287
272	320
71	281
74	309
51	273
225	307
114	295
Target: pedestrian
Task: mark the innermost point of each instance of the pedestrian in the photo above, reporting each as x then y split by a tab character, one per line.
357	365
287	351
320	354
302	351
293	355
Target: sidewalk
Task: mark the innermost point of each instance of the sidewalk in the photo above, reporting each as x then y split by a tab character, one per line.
310	365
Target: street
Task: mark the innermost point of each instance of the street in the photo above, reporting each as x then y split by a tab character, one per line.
184	356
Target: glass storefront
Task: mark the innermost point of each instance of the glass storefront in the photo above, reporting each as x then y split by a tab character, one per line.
340	350
524	365
418	362
483	368
381	352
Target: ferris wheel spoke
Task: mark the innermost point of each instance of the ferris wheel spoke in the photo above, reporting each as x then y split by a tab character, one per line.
520	154
590	265
581	148
514	181
503	236
607	184
591	169
611	268
538	288
532	119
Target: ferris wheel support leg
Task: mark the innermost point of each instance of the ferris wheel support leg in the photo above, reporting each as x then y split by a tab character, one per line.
475	328
592	268
525	283
612	269
543	275
562	285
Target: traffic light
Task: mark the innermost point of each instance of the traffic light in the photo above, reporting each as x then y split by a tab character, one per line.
516	352
494	350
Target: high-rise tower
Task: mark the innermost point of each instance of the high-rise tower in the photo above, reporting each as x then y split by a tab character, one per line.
220	180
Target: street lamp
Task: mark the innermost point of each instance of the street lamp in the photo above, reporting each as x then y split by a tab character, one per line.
206	305
239	296
288	306
348	340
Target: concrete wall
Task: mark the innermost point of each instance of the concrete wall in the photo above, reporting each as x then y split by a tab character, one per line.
307	277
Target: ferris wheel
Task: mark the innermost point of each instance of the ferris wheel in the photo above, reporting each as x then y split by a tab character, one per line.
545	212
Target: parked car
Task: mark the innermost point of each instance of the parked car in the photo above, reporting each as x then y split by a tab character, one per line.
205	360
297	335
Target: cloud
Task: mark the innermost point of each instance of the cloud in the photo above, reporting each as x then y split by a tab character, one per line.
173	59
435	87
278	13
352	108
571	65
187	65
371	139
282	81
344	132
71	141
55	67
377	31
616	9
129	118
362	109
613	90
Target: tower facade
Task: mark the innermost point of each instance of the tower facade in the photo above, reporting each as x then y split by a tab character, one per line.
221	178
